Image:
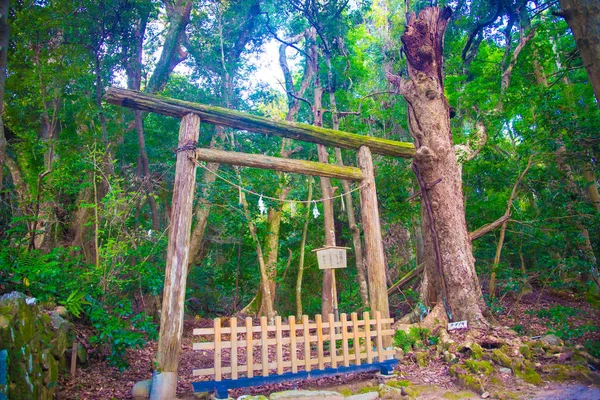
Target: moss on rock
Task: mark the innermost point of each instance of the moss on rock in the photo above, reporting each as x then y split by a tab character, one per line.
528	374
476	351
422	358
480	367
466	379
561	373
501	358
525	351
398	384
29	339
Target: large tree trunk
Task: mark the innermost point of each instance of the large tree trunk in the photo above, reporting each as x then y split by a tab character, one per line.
4	32
450	282
583	17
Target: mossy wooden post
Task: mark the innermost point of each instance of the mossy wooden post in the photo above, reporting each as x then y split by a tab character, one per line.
378	296
164	381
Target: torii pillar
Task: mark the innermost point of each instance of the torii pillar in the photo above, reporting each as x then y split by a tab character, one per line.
164	380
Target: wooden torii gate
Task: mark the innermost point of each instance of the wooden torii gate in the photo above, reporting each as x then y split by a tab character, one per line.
164	381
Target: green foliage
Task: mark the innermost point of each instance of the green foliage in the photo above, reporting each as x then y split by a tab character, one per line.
558	321
416	336
494	305
593	347
75	302
120	330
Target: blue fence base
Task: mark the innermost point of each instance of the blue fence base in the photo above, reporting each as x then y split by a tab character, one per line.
221	387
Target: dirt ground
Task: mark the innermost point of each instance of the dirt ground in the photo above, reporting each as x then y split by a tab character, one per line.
98	380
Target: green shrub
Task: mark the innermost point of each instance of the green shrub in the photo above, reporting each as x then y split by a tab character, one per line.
558	322
406	341
120	330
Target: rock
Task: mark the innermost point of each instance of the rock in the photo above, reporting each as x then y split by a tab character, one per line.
422	358
389	392
479	367
62	311
250	397
485	395
141	390
525	351
399	353
466	380
58	322
13	296
505	371
551	340
81	354
528	374
502	359
364	396
307	395
449	357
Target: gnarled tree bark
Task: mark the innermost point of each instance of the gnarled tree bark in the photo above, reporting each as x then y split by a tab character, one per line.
450	281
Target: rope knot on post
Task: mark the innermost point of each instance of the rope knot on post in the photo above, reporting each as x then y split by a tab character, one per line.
190	145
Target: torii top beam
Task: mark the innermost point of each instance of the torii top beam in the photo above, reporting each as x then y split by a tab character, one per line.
238	120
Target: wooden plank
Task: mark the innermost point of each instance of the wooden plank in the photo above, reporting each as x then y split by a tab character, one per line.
217	323
375	258
171	319
234	347
73	359
249	353
265	346
320	359
280	164
234	119
222	387
368	344
293	344
356	334
332	346
379	335
278	345
345	349
307	363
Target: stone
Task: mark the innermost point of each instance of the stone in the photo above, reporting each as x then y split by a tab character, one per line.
307	395
81	354
551	340
364	396
466	379
388	392
141	390
251	397
399	353
422	358
505	371
62	311
485	395
449	357
51	374
501	358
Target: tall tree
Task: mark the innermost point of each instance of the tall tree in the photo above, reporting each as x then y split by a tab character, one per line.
583	17
450	282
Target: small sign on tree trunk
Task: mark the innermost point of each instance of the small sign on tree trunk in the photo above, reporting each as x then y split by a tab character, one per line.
457	325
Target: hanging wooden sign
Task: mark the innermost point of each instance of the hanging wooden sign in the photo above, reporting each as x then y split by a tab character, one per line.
331	257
